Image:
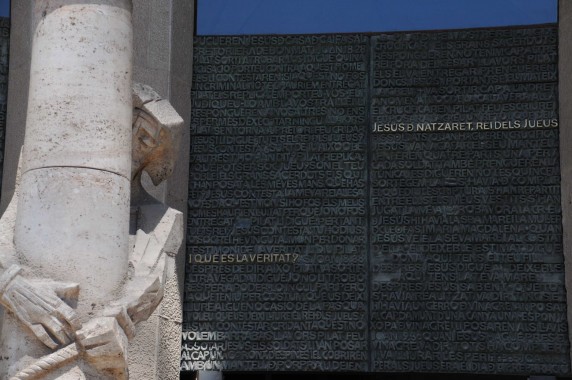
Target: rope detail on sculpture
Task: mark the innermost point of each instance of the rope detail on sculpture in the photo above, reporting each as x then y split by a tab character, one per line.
48	363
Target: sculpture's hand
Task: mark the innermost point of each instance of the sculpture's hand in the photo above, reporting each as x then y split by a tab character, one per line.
39	307
119	312
104	344
133	309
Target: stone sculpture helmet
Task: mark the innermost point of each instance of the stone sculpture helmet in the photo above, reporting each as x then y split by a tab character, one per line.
153	148
155	127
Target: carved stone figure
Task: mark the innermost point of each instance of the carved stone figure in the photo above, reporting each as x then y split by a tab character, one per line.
41	316
73	281
44	308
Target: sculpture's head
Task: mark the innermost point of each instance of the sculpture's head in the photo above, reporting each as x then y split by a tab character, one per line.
155	127
153	148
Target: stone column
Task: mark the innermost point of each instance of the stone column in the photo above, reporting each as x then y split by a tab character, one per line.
73	211
163	35
565	117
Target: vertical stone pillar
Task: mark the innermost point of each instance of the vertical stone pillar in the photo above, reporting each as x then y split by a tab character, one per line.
73	210
163	48
163	36
565	116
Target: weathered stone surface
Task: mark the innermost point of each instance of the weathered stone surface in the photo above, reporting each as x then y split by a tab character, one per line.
102	341
164	330
92	207
155	134
76	161
79	109
39	306
156	127
104	346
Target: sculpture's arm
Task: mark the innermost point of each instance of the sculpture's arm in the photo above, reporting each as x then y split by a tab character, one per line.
150	259
104	339
37	304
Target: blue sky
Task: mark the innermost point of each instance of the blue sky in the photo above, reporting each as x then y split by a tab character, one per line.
329	16
5	8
